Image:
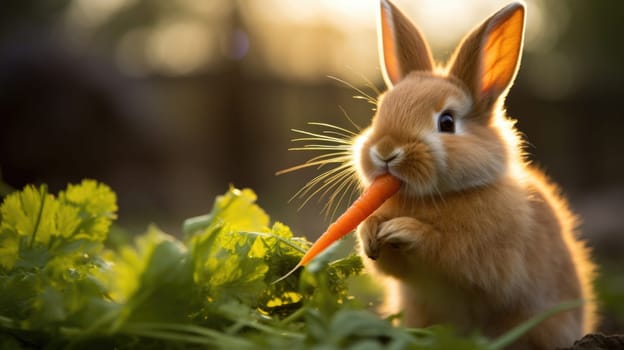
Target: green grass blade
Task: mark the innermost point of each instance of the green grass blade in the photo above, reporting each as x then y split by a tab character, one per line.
512	335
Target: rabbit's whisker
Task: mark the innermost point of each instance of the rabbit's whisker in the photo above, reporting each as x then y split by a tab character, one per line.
336	183
370	99
322	181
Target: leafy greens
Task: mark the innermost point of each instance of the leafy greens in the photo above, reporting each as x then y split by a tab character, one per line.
63	286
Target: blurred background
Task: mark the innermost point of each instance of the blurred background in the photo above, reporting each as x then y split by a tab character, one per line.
171	101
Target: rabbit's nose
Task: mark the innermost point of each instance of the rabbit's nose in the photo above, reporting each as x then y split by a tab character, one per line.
385	157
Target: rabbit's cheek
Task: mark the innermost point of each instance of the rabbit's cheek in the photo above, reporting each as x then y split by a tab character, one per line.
436	150
418	168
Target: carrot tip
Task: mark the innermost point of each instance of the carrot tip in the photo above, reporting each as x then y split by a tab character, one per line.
286	275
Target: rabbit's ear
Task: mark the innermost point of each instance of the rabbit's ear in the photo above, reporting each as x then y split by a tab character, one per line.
488	58
402	48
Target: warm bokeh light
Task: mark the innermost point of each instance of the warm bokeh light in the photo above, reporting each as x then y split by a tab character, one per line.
89	14
180	47
294	39
311	39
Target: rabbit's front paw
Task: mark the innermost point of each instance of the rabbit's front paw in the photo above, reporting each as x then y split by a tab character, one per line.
368	236
402	233
397	234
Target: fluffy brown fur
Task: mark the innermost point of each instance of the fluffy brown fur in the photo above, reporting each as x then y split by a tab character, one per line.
476	237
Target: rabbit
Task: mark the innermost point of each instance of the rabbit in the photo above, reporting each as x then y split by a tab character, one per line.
476	237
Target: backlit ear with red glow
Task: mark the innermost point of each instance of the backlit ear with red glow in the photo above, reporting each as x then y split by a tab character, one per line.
488	58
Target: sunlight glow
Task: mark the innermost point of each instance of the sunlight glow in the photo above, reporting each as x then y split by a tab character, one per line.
312	39
445	22
292	39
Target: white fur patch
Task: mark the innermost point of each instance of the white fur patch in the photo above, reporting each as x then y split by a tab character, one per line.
434	142
356	154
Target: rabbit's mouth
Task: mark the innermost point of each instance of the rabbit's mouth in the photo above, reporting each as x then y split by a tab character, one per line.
413	162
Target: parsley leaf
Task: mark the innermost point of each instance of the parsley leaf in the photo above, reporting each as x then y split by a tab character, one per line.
51	250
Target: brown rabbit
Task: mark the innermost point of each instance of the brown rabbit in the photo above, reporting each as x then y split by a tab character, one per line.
476	237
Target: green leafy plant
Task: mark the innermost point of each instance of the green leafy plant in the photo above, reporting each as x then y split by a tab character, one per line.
63	286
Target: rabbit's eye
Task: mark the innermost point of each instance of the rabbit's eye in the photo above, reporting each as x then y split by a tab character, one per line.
446	122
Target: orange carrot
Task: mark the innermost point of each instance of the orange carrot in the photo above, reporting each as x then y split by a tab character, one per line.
382	188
